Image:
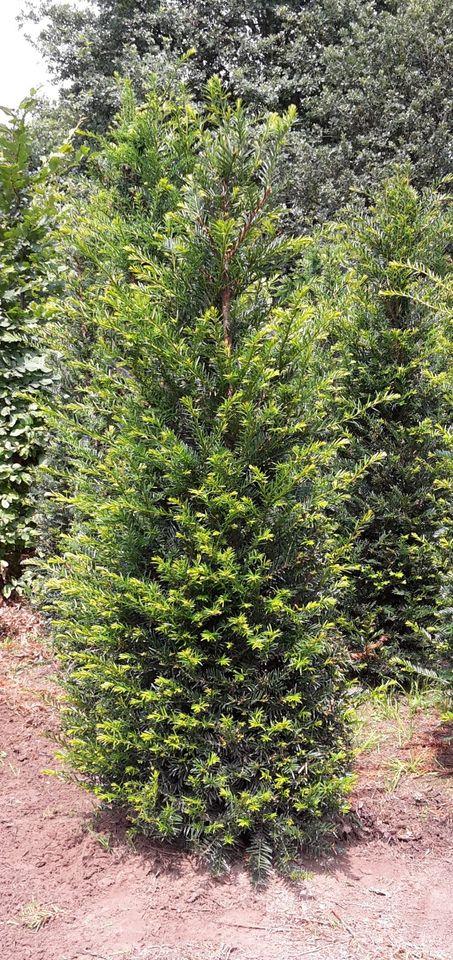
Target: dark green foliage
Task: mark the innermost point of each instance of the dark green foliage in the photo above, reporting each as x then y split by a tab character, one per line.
371	78
394	327
194	595
27	207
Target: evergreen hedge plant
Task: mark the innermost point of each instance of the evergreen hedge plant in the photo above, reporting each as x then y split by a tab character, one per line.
389	271
194	597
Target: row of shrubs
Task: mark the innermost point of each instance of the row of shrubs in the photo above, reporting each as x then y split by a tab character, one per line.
244	491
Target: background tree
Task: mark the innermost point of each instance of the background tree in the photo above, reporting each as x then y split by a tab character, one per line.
371	78
193	597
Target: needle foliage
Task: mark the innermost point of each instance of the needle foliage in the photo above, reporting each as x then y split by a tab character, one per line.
389	271
194	596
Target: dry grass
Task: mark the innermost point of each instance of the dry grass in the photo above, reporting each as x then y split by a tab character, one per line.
34	915
387	716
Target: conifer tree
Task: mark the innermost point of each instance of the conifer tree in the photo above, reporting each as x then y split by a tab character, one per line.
390	273
194	596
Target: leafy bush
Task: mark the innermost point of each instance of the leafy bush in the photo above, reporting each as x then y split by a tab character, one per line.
390	272
27	207
193	598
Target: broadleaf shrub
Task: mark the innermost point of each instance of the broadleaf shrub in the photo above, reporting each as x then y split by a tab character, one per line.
194	596
27	210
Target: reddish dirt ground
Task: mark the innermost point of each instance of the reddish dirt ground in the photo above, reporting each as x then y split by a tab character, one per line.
66	867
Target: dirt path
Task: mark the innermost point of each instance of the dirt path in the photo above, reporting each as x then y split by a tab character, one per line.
387	893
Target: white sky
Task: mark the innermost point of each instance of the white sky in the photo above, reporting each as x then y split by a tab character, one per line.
20	65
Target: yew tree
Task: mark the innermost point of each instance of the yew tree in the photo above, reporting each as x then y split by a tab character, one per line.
194	596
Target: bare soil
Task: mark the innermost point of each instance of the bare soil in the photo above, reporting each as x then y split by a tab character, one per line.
73	886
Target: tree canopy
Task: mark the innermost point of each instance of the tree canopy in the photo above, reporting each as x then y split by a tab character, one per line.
371	79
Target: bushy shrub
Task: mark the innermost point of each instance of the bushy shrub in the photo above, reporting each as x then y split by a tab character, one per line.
194	596
27	208
390	273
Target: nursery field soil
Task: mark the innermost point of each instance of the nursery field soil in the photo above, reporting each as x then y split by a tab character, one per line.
74	886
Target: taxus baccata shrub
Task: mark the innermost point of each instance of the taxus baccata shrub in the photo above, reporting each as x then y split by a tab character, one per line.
394	330
194	596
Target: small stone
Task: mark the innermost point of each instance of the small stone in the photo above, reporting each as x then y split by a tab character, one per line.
408	835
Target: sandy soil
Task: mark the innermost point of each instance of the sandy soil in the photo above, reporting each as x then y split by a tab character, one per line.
73	886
